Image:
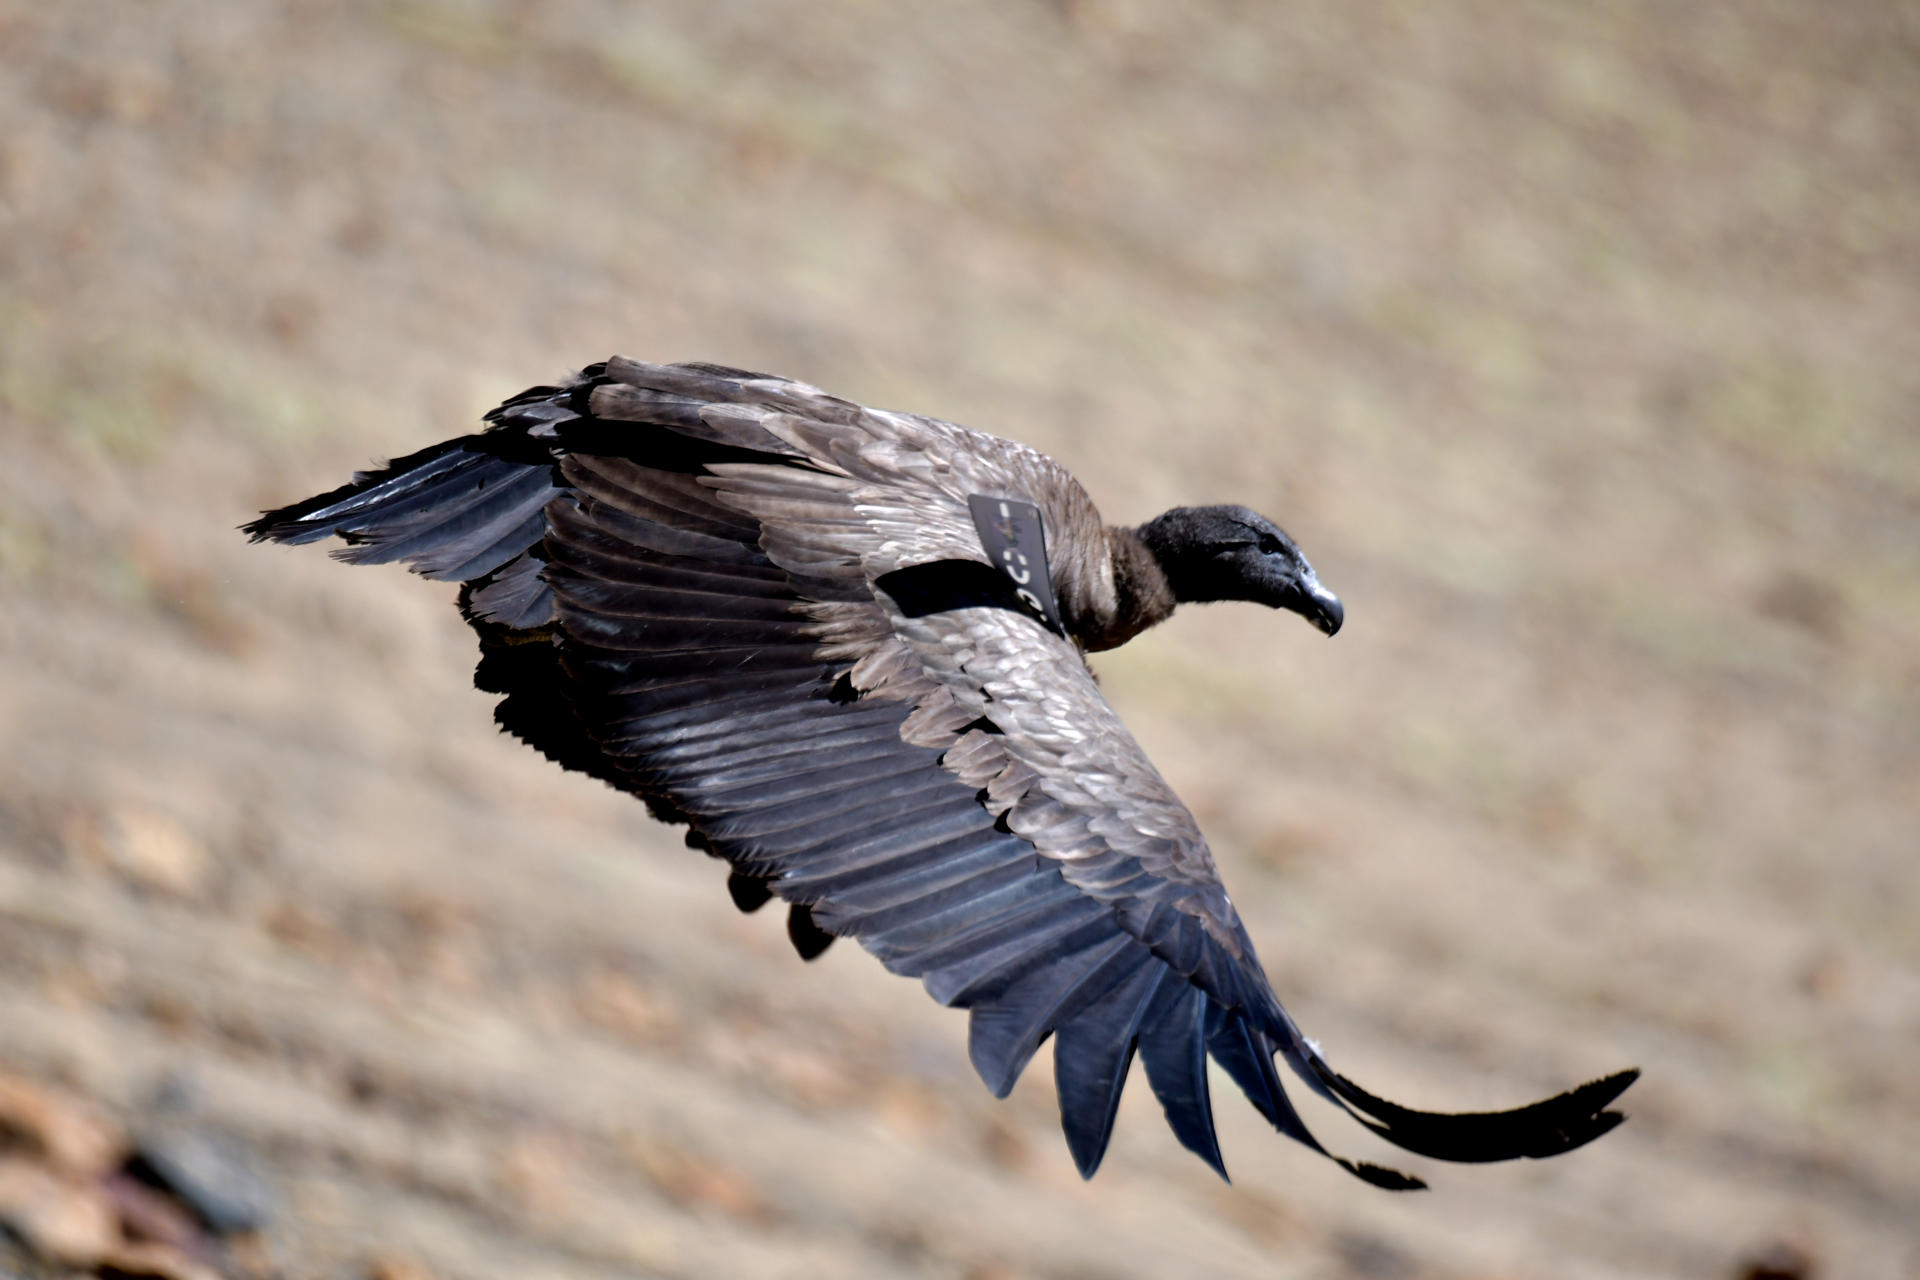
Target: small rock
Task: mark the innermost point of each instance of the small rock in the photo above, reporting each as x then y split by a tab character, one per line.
155	850
1004	1146
1824	975
211	1176
1373	1257
992	1269
59	1219
151	1262
150	1215
614	1002
397	1267
538	1172
1805	600
692	1180
909	1108
810	1080
60	1128
1781	1260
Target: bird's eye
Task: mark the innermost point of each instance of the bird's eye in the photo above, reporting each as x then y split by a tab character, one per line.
1270	545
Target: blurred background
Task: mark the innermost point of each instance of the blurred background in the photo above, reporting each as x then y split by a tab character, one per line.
1579	345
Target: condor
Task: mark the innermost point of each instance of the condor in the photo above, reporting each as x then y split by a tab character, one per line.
845	647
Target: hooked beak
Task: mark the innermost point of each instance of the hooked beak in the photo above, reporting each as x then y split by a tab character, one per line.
1324	609
1316	604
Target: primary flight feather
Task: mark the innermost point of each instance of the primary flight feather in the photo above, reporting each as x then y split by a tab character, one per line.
845	647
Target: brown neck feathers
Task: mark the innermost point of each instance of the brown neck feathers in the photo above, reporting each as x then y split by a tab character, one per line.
1142	595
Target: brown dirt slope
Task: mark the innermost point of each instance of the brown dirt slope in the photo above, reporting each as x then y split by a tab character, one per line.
1578	344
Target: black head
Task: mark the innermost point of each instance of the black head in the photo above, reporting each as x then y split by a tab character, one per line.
1231	553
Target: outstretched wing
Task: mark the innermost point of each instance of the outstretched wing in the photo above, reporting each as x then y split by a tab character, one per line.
754	605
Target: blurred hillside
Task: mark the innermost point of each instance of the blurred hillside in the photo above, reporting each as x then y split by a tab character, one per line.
1578	345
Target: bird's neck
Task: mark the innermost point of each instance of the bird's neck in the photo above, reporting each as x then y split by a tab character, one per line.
1142	596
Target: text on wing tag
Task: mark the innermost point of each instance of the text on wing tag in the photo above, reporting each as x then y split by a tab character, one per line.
1015	541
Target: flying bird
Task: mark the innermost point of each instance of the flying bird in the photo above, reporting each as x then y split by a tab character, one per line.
846	648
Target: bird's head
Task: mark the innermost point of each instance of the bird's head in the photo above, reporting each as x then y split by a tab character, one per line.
1231	553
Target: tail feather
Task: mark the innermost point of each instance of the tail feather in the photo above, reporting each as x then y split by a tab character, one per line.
1546	1128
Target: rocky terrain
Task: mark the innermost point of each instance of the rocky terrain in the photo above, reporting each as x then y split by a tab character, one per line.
1578	345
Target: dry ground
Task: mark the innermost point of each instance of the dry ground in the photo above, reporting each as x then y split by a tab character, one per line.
1579	345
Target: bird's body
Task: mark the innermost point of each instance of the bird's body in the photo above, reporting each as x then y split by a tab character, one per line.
845	646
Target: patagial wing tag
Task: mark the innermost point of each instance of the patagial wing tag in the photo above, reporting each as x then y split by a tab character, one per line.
1016	542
